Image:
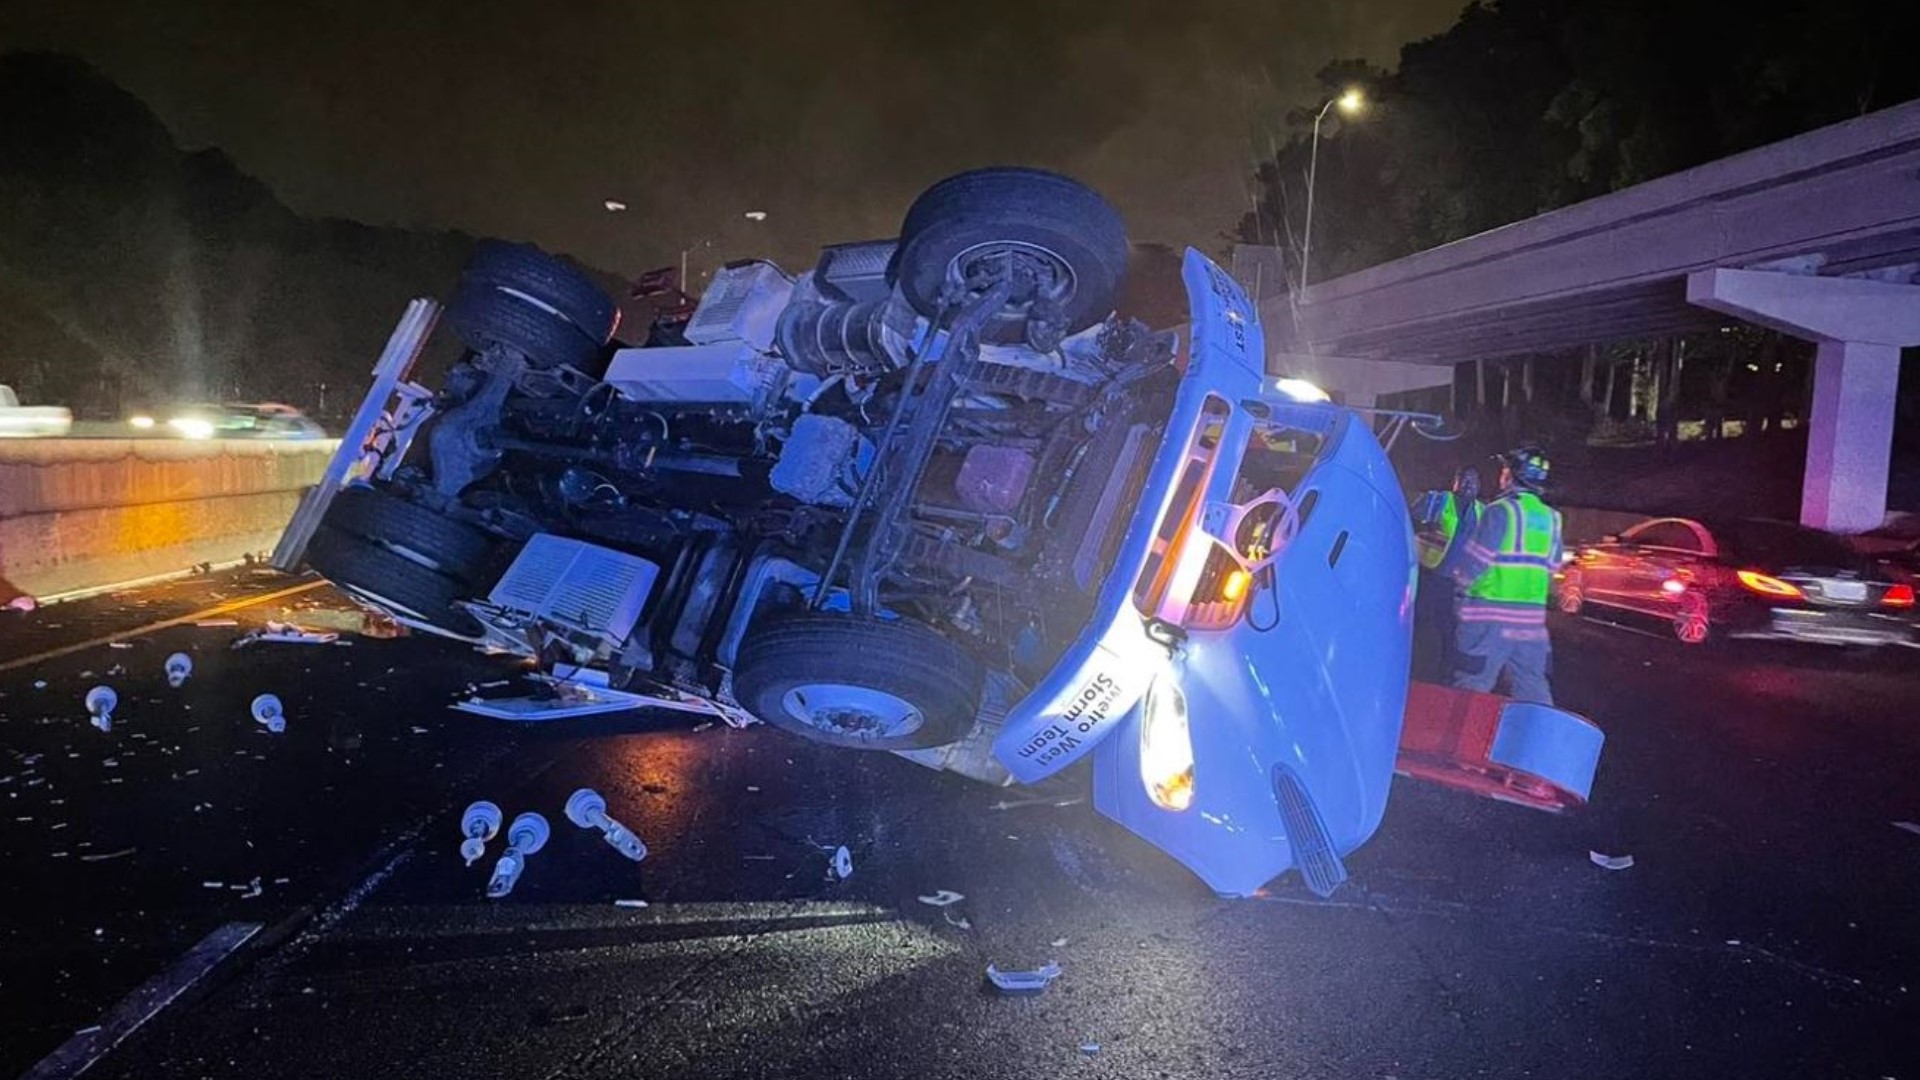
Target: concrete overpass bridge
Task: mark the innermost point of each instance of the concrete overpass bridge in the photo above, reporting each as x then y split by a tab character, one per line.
1817	236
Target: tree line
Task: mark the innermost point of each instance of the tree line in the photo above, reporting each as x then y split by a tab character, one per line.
1523	106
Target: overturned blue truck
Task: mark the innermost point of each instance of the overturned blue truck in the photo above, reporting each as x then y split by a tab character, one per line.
935	497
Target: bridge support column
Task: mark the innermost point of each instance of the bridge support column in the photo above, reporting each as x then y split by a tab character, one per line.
1859	327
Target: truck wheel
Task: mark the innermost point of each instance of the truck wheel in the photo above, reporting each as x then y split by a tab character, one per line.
440	543
487	317
376	573
1066	244
526	269
858	683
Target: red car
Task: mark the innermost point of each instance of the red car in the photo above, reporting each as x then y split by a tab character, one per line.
1747	579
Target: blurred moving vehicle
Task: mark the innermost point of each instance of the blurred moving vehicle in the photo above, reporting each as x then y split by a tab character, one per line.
1894	548
19	421
1740	579
267	420
929	497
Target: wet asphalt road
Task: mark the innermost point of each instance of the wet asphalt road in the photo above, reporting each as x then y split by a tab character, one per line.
1768	928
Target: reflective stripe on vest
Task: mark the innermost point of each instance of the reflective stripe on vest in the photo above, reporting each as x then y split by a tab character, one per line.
1433	549
1521	571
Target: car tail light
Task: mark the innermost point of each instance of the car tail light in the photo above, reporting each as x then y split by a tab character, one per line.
1767	585
1899	596
1673	586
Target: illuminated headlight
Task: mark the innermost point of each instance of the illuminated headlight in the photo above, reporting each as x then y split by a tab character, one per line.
1166	747
141	422
192	427
1301	390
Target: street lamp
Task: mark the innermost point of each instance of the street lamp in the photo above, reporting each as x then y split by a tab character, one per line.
1350	103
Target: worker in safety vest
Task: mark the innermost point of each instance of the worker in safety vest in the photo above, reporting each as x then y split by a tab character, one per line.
1441	522
1506	568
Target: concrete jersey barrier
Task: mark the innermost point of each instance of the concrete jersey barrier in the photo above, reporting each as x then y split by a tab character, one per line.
79	515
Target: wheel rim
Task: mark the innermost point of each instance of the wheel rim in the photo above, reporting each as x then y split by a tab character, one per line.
1691	623
1570	598
855	712
981	266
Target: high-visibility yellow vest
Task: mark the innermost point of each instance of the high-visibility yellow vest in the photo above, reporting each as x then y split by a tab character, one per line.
1445	519
1521	571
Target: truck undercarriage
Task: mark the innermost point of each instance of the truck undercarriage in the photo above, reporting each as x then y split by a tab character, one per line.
917	456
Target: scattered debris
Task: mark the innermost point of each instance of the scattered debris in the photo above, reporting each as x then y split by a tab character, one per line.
841	866
1089	1048
614	206
942	898
268	713
962	922
285	633
587	809
250	890
699	727
1022	982
1610	862
1059	942
1907	826
100	703
119	644
630	903
88	1030
526	835
39	684
479	824
179	667
104	856
1005	805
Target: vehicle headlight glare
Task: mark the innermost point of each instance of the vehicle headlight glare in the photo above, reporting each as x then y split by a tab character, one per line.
1166	746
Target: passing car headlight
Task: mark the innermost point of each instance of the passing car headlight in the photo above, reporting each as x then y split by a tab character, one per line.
1166	746
192	427
141	422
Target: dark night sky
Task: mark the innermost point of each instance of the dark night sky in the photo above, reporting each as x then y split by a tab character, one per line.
520	119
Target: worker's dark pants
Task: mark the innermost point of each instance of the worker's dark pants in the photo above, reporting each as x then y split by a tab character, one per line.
1435	608
1483	651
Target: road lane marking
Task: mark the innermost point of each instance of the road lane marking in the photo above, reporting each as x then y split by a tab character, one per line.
78	1053
218	609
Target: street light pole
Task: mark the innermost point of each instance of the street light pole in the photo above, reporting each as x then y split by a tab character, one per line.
1313	172
1350	102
